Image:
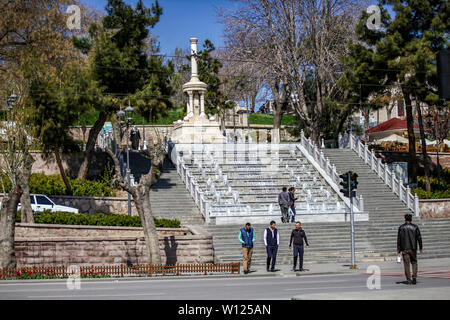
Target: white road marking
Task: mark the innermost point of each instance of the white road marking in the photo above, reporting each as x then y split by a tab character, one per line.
99	295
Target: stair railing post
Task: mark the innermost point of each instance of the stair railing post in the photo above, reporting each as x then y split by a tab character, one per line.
408	191
416	205
400	191
380	173
365	152
372	159
361	203
393	180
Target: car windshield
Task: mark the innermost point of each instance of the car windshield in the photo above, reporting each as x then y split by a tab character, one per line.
43	200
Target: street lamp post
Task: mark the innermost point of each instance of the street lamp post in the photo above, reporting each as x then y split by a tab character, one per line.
127	117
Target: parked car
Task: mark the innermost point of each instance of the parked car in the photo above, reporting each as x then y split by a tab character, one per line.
40	202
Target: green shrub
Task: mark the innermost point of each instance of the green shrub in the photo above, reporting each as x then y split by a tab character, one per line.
41	183
99	219
437	194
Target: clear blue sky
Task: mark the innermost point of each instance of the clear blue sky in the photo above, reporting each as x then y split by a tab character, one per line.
181	20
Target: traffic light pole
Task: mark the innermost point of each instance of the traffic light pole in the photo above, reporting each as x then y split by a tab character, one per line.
352	222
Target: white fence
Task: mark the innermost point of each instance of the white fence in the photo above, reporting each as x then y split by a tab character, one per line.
388	176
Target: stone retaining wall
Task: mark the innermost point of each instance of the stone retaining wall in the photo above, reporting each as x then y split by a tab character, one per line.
94	205
43	245
434	208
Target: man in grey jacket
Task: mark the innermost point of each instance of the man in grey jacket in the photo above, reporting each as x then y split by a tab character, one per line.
284	201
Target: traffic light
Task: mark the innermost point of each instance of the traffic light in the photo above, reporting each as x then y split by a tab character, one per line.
345	184
353	183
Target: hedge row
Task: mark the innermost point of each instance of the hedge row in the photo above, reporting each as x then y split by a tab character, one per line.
438	191
99	219
41	183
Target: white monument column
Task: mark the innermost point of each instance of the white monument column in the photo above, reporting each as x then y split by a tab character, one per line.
194	68
202	105
191	104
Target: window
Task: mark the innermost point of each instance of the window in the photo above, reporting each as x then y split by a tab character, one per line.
43	201
400	109
32	199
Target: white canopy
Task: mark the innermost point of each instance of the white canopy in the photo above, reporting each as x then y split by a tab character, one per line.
394	138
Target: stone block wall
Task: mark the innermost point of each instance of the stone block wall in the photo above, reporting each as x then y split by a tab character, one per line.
96	246
94	205
434	208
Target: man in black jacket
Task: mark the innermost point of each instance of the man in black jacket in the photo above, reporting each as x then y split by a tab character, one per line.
298	234
407	239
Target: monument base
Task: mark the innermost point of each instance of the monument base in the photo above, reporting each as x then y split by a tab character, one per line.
197	129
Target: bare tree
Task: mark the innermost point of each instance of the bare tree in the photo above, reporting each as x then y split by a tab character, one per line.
297	44
141	196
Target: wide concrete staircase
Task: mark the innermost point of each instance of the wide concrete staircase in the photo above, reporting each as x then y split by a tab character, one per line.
170	199
375	240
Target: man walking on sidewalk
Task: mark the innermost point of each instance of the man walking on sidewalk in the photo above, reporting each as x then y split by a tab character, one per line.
247	237
407	239
271	240
284	201
298	235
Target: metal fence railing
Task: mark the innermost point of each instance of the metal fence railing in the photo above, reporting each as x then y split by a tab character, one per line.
382	170
118	270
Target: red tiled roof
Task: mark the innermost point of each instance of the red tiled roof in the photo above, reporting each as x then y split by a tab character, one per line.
393	124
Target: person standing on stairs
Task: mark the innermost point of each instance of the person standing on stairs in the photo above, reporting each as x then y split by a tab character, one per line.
271	241
247	238
292	199
284	201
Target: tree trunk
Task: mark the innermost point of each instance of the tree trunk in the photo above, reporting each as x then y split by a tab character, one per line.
426	163
63	173
141	198
277	115
25	211
7	225
412	161
143	207
92	140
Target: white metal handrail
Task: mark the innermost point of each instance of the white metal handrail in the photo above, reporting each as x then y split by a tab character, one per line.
328	168
388	176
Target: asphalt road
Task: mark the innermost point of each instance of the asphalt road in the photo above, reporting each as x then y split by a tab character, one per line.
255	288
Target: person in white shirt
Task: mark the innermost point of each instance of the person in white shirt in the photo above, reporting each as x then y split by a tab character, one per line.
271	241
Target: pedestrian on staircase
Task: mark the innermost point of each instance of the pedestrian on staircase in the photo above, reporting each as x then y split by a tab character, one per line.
247	238
271	241
298	236
292	199
407	239
284	201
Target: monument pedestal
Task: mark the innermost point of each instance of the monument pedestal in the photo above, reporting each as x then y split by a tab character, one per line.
197	129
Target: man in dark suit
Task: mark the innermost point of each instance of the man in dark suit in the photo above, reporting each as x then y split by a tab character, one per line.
271	240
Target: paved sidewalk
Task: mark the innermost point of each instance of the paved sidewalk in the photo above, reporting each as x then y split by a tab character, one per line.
410	293
257	271
442	264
